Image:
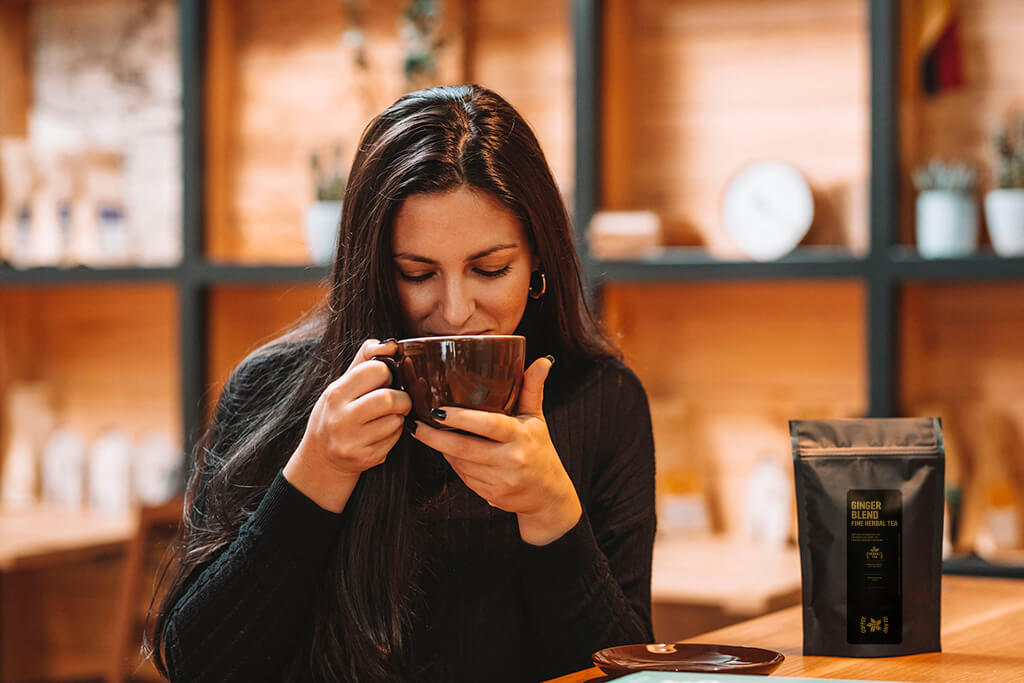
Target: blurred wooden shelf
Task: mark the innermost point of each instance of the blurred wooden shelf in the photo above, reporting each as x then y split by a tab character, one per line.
906	264
51	275
693	263
1009	565
204	272
225	273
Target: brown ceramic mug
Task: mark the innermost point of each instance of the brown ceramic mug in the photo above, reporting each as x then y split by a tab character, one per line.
481	372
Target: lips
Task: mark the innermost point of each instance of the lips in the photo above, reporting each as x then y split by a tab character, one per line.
460	333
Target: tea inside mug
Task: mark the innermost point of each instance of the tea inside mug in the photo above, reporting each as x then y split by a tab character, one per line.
480	372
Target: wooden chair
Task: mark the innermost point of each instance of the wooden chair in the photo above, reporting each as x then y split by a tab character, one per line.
157	527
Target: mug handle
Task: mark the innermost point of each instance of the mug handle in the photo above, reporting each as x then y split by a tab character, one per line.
393	366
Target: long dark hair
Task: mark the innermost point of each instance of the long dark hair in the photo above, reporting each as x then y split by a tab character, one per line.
428	141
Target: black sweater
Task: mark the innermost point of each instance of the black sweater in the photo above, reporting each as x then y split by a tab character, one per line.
497	609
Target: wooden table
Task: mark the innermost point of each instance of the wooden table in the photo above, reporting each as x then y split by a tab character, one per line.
42	535
60	575
982	640
690	570
694	591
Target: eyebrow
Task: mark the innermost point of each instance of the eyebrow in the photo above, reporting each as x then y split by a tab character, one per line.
480	254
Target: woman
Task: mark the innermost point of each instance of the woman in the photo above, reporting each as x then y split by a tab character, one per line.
330	538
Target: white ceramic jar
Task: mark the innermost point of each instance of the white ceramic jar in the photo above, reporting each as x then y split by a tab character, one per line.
947	224
321	221
1004	214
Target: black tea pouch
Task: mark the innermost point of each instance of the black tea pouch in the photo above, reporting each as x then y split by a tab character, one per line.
869	508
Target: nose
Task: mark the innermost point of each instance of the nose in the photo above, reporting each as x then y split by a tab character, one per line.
457	305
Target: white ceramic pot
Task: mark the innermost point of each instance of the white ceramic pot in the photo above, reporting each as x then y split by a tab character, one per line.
947	224
1004	213
320	222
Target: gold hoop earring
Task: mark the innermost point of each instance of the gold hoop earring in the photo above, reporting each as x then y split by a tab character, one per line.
533	291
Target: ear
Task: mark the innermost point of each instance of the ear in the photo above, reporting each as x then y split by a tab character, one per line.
534	260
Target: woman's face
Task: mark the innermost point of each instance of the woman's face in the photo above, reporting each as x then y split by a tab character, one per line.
462	264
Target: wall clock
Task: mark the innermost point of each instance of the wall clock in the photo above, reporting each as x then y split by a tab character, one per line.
767	209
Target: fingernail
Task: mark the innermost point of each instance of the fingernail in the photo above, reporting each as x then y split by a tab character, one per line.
550	358
389	340
410	426
438	414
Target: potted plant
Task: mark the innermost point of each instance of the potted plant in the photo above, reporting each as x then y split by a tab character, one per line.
1004	206
322	218
420	31
947	211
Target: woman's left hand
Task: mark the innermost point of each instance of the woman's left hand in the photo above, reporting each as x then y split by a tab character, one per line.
510	462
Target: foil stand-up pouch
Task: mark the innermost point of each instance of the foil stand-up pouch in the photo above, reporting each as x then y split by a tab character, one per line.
870	508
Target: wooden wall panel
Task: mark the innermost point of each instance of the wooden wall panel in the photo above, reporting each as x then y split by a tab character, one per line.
700	88
726	365
963	342
283	84
743	341
523	51
221	117
961	359
243	318
14	73
17	361
109	352
957	124
296	90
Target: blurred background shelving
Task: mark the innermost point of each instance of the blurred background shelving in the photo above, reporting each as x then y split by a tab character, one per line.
834	88
712	86
640	105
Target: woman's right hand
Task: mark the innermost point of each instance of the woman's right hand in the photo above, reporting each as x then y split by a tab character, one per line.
354	424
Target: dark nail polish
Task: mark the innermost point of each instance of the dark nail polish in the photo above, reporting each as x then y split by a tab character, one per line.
410	426
550	358
389	340
438	414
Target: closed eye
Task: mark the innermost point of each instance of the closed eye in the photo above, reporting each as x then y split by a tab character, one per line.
493	273
414	278
479	271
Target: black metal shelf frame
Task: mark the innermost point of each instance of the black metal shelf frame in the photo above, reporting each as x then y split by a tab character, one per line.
881	271
874	270
677	264
229	274
906	266
884	209
683	263
52	275
193	295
